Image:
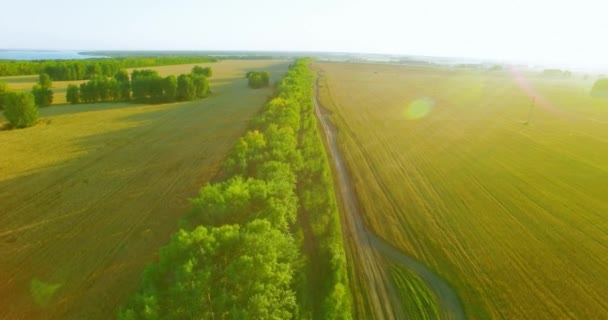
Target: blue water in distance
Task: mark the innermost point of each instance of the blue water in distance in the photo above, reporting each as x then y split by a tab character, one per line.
42	55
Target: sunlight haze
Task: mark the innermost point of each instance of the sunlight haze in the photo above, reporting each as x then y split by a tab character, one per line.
554	32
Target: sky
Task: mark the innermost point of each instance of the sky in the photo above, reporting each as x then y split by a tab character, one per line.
547	31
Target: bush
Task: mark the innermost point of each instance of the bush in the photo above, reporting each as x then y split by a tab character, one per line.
73	94
600	88
202	71
20	109
43	95
258	79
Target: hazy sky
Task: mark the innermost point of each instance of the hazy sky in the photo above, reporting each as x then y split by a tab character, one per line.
566	31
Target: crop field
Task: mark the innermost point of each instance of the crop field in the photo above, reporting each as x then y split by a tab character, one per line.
416	299
497	180
89	194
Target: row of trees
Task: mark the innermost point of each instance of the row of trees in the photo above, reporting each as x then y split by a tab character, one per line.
144	86
238	255
87	69
557	73
258	79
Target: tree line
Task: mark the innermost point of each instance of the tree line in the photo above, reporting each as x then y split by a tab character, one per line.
62	70
143	86
240	252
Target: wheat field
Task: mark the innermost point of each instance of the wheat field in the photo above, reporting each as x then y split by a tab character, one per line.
497	180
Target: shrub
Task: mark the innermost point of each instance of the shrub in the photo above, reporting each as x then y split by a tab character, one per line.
73	94
258	79
20	109
600	88
202	71
43	95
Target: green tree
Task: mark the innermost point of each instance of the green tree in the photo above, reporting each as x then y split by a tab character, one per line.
202	71
44	80
73	94
42	91
20	109
229	272
88	92
186	90
147	85
122	77
248	154
3	91
43	97
170	88
201	86
92	70
258	79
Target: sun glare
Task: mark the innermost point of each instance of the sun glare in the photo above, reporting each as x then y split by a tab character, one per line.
419	108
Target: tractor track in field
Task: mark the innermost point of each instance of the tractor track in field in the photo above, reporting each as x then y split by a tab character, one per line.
382	293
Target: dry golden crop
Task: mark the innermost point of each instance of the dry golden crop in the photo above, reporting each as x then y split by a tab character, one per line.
497	180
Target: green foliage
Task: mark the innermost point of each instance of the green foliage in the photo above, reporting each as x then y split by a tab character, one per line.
43	97
170	88
122	77
198	70
72	94
258	79
147	85
238	199
3	90
201	86
45	81
276	175
87	69
20	109
186	90
100	89
600	88
42	91
227	272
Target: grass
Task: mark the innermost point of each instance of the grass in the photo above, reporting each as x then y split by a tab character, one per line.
512	213
417	301
90	193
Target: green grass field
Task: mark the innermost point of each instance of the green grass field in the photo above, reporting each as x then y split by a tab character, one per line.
512	213
91	192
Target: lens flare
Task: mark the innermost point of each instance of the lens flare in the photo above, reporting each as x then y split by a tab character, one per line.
419	108
523	83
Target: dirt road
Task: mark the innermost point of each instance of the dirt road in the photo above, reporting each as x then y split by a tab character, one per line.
370	248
